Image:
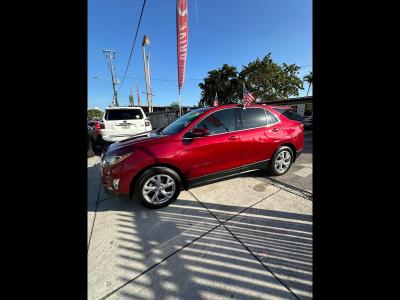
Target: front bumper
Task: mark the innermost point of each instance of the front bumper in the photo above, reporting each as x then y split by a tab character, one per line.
122	172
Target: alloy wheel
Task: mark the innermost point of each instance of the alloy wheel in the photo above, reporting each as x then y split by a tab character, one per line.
159	189
283	161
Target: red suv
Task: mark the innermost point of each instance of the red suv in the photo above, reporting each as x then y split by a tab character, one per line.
203	145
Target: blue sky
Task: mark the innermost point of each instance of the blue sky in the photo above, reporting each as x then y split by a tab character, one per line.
226	31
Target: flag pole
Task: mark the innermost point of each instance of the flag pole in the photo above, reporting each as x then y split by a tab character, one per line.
179	101
244	88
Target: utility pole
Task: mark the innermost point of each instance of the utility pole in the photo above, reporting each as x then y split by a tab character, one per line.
111	55
146	42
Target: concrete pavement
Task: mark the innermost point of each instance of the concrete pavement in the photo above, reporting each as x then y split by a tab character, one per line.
242	238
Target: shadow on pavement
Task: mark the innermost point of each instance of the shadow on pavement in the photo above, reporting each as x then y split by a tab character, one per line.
211	263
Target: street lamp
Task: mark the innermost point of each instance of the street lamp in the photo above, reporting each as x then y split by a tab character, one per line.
146	41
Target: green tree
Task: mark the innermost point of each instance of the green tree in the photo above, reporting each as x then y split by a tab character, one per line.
94	113
308	79
225	82
268	80
174	104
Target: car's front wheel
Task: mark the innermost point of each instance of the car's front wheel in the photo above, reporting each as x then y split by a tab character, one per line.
281	161
157	187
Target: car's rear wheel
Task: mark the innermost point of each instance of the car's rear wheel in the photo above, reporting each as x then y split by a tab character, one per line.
157	187
281	161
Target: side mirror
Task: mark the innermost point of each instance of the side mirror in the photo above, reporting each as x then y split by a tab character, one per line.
199	132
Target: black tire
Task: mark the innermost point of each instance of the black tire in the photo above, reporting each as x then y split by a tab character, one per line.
90	152
272	170
138	188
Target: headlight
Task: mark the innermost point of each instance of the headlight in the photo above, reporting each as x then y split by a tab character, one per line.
113	159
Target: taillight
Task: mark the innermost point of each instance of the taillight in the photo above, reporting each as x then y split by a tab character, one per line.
98	127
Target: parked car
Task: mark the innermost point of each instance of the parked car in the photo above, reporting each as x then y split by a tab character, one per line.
201	146
120	123
308	122
96	125
91	140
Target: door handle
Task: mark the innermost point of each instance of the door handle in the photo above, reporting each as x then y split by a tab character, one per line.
233	137
275	129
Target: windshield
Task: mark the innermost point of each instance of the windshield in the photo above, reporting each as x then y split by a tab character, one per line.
183	121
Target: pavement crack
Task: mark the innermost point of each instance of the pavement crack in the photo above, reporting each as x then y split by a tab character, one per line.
230	218
259	260
95	213
236	238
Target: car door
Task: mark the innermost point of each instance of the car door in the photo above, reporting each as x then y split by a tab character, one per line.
258	138
218	153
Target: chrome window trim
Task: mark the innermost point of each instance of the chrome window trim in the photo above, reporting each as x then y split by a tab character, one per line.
208	116
266	126
279	120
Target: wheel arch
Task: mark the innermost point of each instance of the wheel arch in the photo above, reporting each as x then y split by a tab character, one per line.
166	165
291	146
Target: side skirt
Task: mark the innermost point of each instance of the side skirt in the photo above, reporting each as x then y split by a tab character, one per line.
206	179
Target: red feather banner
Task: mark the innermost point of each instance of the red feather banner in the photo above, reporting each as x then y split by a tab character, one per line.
182	39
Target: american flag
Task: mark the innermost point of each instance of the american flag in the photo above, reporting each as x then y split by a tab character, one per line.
247	97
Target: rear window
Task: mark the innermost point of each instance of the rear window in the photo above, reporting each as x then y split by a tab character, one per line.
254	117
288	113
123	114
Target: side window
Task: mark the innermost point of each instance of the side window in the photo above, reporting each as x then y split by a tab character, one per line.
271	119
219	122
254	117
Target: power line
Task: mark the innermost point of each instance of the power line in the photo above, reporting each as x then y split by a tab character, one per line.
134	41
142	78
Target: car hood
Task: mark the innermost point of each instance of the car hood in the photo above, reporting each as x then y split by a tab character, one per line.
120	147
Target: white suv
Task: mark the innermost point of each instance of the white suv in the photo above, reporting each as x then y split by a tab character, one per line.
120	123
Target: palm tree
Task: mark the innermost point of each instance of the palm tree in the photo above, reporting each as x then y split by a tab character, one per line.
308	79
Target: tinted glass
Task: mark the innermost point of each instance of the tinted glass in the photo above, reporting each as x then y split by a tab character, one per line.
254	117
271	119
288	113
123	114
184	121
219	122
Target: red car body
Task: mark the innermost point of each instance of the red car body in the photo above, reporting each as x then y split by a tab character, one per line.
198	160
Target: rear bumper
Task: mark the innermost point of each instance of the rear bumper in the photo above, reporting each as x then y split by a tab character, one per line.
115	138
112	136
